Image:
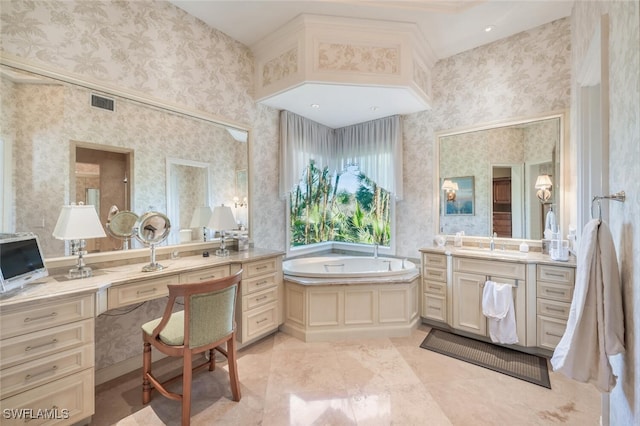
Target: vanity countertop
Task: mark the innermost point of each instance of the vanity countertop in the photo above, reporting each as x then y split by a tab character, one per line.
499	254
58	286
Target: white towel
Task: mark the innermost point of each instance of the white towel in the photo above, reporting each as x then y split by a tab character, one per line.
497	306
595	329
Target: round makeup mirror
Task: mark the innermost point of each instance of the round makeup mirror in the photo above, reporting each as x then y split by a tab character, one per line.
121	224
151	229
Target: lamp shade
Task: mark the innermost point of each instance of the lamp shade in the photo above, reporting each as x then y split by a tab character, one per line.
201	217
222	219
449	185
543	182
77	222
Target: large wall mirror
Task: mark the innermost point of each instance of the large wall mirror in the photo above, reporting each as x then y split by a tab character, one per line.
488	175
170	160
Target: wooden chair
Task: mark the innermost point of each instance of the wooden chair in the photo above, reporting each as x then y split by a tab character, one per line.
206	322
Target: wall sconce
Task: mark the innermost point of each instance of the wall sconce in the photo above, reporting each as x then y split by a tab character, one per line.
543	185
236	201
75	223
200	219
451	188
222	220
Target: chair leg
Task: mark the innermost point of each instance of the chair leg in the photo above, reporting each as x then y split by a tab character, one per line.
186	387
233	370
212	359
146	369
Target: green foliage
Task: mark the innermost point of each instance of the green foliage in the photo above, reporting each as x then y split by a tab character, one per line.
318	212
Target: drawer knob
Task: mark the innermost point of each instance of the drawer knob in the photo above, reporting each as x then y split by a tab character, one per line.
51	315
555	309
556	291
263	282
151	290
262	320
31	376
260	298
30	348
210	277
261	267
553	334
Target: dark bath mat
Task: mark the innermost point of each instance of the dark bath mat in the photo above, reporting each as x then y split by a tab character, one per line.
530	368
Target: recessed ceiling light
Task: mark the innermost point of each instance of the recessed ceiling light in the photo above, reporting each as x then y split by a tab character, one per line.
375	108
489	28
314	106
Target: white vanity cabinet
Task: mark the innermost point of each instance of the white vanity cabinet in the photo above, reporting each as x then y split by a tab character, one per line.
46	362
554	293
259	307
469	277
434	286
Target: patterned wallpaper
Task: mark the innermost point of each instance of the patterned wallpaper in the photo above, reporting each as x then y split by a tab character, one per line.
280	67
624	157
358	58
527	74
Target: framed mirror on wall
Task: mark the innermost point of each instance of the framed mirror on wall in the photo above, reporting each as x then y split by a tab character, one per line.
503	160
46	118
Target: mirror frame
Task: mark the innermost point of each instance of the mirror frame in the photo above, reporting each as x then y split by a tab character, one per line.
565	213
142	98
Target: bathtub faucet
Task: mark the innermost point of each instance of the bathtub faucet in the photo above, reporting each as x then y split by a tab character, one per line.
375	251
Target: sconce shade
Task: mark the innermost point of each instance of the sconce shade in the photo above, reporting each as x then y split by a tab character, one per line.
543	182
222	219
449	185
201	217
78	222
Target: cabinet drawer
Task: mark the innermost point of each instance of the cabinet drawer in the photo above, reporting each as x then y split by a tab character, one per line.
433	274
140	291
42	343
550	331
46	315
434	307
435	260
435	287
70	399
556	274
205	275
259	320
254	269
490	268
554	309
257	284
259	298
31	374
554	291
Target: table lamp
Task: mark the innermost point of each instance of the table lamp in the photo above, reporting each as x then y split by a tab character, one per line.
222	220
76	223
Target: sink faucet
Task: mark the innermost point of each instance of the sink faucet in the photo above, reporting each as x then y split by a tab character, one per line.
375	251
492	244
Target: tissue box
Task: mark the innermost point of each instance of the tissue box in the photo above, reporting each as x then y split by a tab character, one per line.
242	242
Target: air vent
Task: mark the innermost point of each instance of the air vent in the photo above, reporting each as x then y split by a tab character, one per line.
102	102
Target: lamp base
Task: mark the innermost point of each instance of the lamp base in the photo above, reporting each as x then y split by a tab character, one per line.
222	252
80	272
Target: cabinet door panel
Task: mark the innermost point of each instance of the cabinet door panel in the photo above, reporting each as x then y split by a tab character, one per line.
467	301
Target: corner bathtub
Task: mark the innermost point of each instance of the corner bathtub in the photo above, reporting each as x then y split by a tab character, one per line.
350	297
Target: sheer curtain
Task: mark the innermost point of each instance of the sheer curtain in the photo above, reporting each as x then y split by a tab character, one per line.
375	146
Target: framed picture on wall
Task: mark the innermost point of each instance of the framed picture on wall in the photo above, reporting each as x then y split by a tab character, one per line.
458	196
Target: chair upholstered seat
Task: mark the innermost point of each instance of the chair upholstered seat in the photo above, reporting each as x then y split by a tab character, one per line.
204	326
173	333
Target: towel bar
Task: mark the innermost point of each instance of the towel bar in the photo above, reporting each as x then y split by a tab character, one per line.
618	196
488	278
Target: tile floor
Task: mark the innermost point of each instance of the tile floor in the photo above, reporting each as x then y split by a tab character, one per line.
366	382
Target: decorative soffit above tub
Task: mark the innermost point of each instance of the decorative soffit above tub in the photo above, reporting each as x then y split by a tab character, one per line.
343	71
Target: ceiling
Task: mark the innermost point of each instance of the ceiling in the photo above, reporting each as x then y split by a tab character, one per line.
450	27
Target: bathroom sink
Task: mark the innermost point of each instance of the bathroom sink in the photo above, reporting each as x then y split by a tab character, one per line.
508	254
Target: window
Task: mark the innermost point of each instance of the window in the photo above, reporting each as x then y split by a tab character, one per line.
346	207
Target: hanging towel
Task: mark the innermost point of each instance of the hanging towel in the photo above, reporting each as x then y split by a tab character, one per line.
595	329
497	306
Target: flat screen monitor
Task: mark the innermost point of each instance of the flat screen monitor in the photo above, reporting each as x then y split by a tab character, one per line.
21	260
